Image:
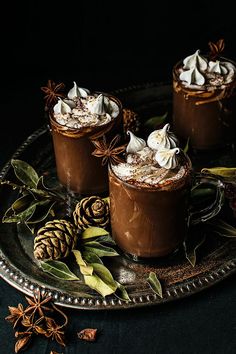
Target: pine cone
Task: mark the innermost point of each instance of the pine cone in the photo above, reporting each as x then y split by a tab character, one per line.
91	211
131	121
55	240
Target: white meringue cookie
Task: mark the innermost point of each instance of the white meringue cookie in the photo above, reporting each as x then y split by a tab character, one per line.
195	61
217	67
70	103
99	105
162	138
167	158
135	144
61	107
192	76
76	92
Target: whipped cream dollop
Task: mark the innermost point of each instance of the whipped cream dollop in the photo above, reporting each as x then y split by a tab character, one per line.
152	165
198	72
83	109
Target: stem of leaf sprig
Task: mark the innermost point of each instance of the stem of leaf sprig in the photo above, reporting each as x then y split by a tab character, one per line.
47	194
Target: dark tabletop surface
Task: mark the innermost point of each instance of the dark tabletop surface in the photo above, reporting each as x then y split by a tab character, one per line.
145	50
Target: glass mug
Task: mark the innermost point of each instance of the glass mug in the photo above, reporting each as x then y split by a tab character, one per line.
152	222
206	118
77	169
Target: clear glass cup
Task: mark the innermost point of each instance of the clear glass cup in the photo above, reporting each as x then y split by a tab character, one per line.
206	118
152	222
77	169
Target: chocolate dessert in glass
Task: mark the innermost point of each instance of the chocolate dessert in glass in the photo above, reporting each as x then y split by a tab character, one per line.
150	196
75	122
204	101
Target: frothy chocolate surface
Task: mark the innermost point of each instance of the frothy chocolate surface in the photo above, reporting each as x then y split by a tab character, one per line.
141	169
81	114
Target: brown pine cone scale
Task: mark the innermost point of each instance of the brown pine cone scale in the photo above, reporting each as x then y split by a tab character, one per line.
55	240
91	211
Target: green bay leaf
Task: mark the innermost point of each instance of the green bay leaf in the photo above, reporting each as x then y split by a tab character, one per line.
100	250
96	283
222	228
186	148
91	257
155	284
121	292
58	269
153	122
43	209
21	217
22	203
107	240
25	173
92	232
229	172
85	269
107	200
101	280
190	249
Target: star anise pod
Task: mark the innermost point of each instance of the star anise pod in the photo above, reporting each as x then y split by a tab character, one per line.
108	152
32	326
23	341
52	91
37	304
216	48
55	331
88	334
16	314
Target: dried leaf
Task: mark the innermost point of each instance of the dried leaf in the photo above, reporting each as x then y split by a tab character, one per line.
21	217
121	292
107	200
107	239
84	268
22	203
222	228
58	269
92	232
21	343
155	284
228	172
42	211
91	257
200	194
154	122
100	250
88	334
41	184
190	249
186	148
25	173
102	280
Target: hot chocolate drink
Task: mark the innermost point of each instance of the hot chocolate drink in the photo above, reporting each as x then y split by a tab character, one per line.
76	121
204	102
149	196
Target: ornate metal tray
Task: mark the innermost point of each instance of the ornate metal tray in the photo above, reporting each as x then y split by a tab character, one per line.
216	261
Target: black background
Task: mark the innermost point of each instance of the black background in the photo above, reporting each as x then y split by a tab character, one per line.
105	46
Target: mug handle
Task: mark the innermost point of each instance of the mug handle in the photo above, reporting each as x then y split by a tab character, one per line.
197	216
